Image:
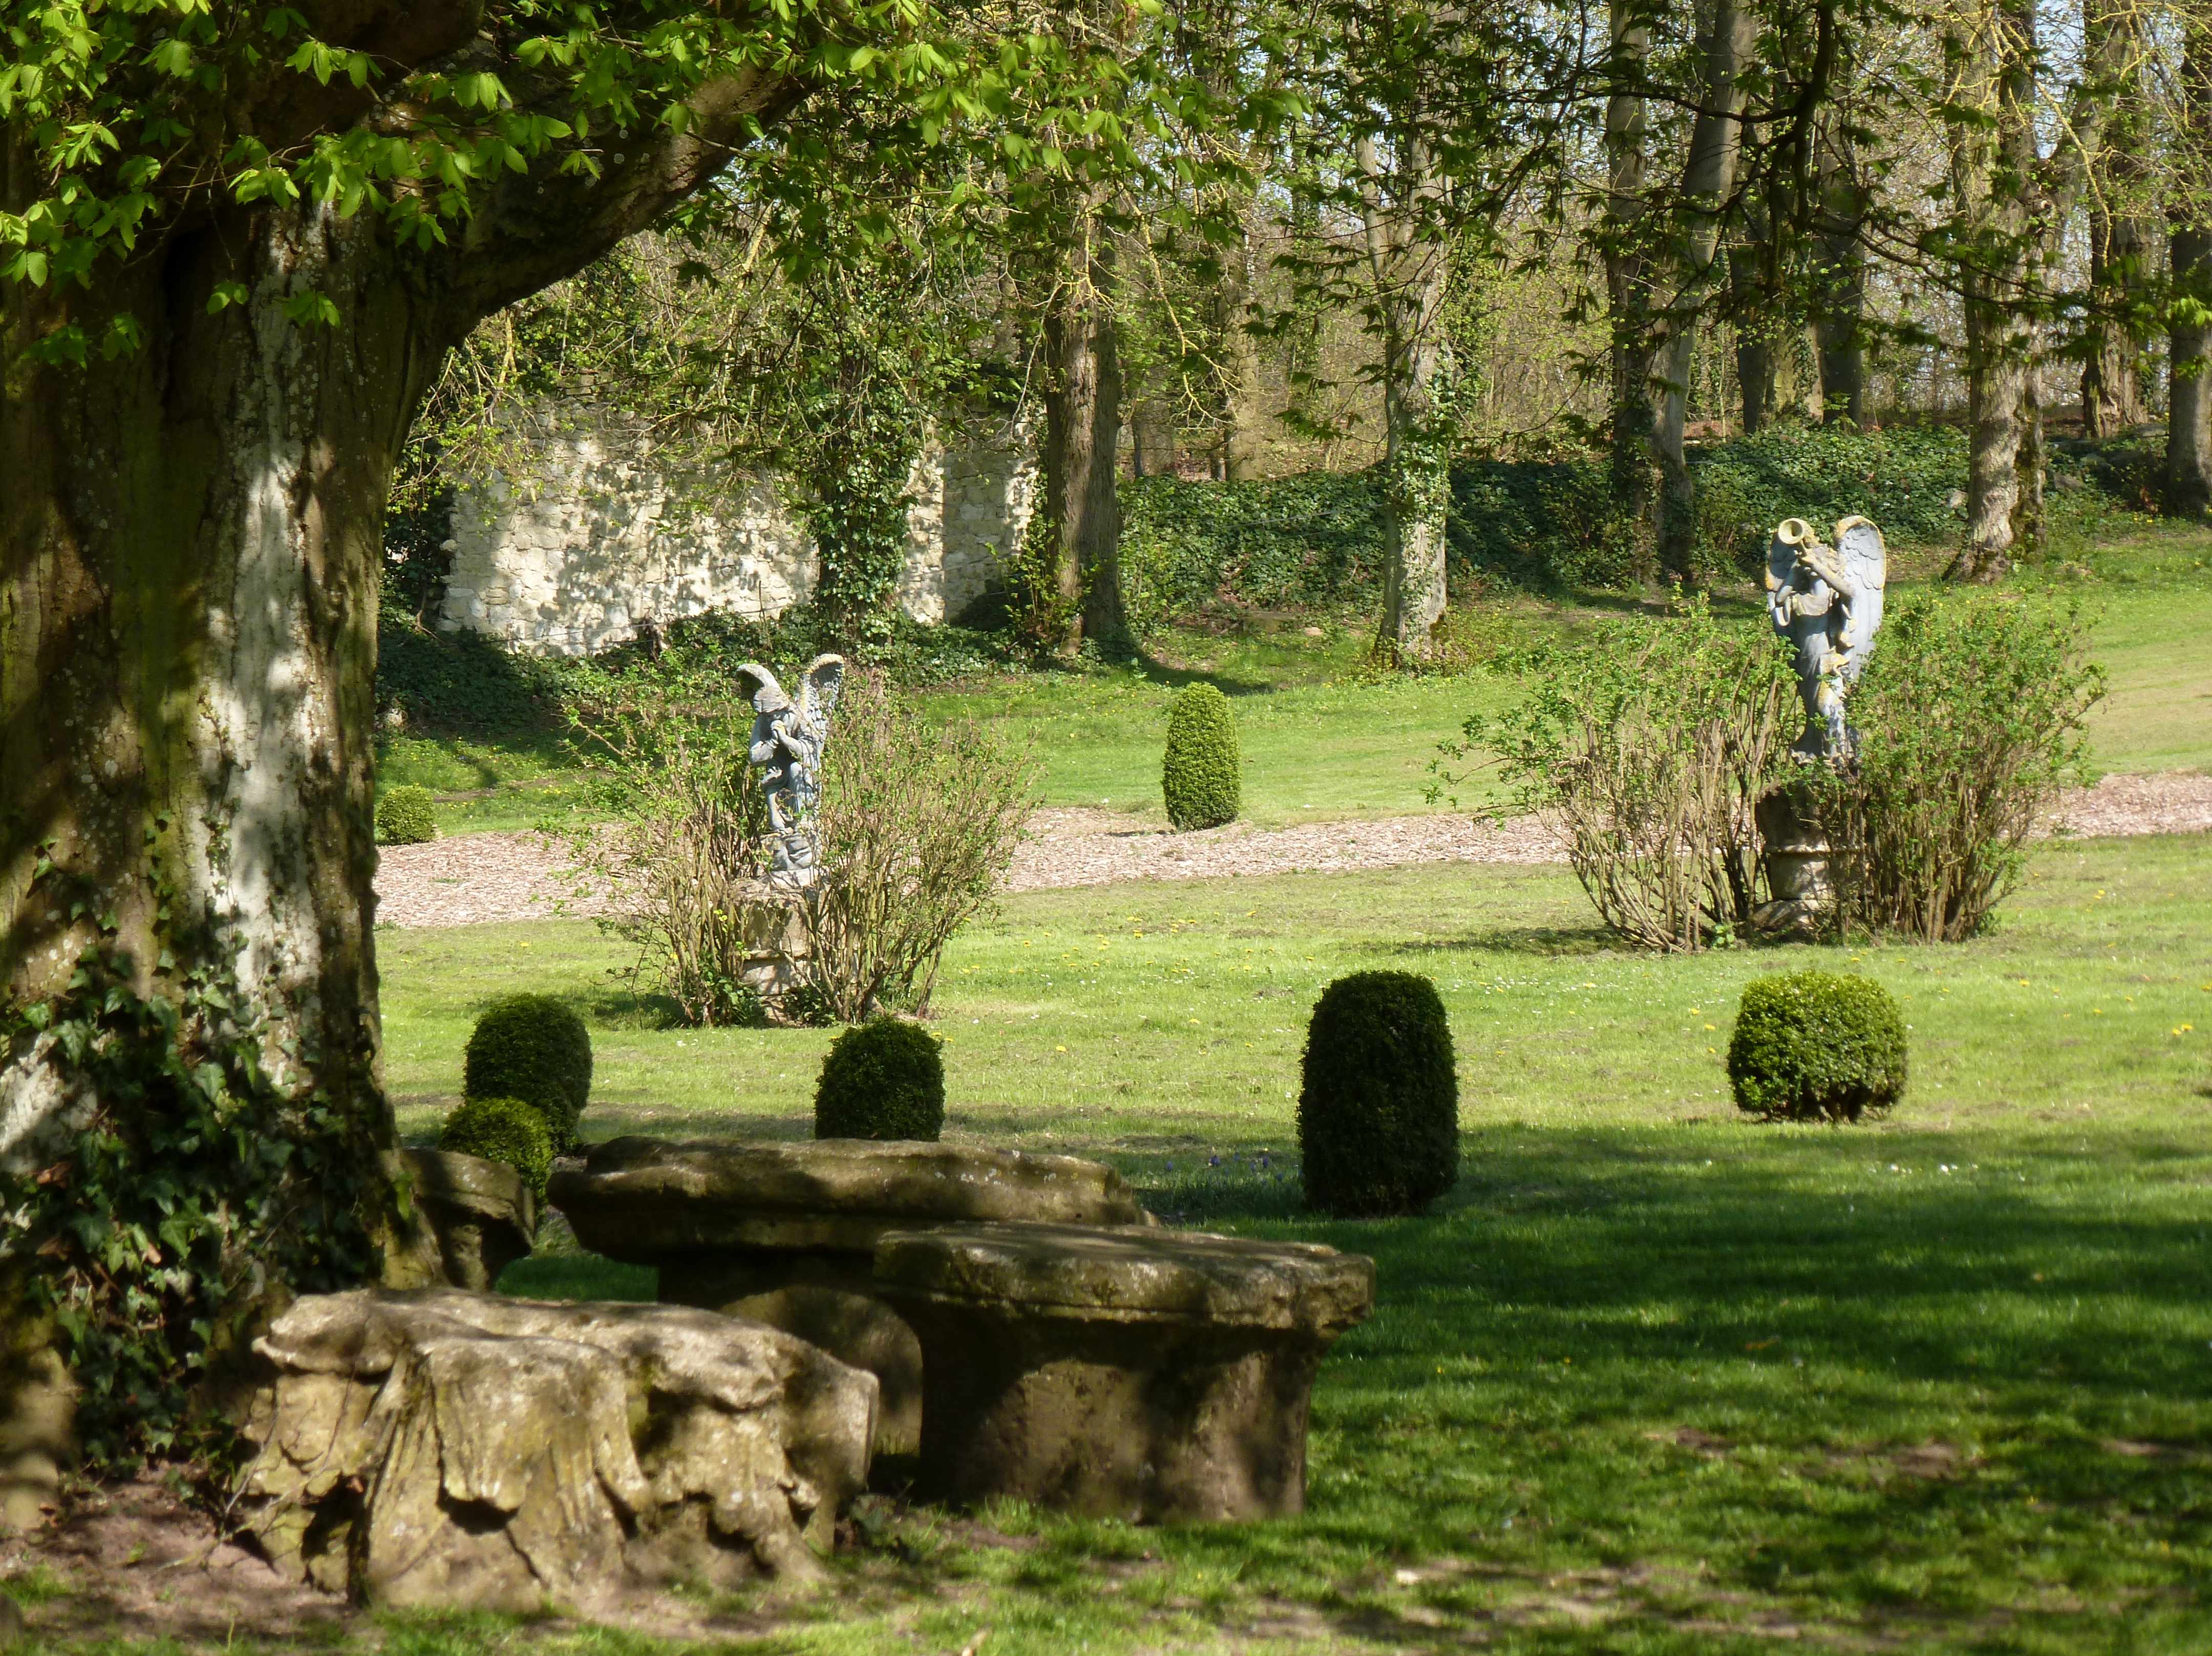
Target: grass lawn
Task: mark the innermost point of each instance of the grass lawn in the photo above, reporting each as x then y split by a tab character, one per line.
1653	1379
1322	741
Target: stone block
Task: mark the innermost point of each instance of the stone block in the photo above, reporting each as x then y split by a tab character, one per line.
473	1219
467	1450
1140	1374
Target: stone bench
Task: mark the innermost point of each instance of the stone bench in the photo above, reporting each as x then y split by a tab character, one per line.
1125	1372
785	1233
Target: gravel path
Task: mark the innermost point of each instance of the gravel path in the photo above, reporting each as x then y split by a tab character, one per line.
473	878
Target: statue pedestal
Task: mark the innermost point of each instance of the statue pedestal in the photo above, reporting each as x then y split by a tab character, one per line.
1802	897
779	948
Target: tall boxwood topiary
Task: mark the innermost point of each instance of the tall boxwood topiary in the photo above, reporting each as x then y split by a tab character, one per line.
533	1048
883	1079
502	1130
1817	1047
1378	1119
1202	775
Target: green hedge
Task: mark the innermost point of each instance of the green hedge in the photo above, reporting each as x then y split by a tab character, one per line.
502	1130
883	1079
1201	774
404	816
1817	1047
1378	1115
533	1048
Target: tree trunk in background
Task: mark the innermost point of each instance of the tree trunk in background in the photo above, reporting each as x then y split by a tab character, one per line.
1242	425
1408	268
1842	282
2031	464
188	640
1083	437
1754	351
2119	240
1994	167
1628	306
1708	181
2189	419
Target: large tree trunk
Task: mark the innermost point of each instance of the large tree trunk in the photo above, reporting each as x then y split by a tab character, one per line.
188	644
2189	351
189	542
1628	300
1083	437
1708	181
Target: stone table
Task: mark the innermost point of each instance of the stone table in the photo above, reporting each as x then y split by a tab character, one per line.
785	1233
1124	1372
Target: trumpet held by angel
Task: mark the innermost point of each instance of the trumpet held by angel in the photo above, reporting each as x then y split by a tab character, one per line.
1824	601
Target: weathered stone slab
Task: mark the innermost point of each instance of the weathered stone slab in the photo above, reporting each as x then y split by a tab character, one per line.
474	1218
785	1233
643	1200
1147	1374
442	1448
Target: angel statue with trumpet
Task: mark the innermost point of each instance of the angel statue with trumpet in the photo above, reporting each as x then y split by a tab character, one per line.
1826	602
786	746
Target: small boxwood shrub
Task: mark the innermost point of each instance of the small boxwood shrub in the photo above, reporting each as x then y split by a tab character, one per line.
1200	777
1378	1119
1817	1047
502	1130
404	818
883	1079
533	1048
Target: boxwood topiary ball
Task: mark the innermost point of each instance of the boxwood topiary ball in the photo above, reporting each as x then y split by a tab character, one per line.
1378	1119
883	1079
1817	1047
404	818
1200	777
533	1048
502	1130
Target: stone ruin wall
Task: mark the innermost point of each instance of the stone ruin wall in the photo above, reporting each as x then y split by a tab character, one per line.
597	540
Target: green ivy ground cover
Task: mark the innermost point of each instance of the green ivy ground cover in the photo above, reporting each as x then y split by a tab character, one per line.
1653	1379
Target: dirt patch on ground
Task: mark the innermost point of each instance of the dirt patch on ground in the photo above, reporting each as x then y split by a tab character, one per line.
474	878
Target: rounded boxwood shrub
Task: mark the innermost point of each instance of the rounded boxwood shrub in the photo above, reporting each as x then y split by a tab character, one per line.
1200	777
883	1079
404	818
533	1048
1378	1119
502	1130
1816	1046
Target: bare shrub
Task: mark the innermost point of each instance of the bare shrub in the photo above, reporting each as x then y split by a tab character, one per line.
1969	721
1650	745
687	843
918	824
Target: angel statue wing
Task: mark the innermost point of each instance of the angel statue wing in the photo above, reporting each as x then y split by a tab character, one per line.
1865	563
818	697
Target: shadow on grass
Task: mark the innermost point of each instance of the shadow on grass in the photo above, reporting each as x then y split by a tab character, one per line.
1543	940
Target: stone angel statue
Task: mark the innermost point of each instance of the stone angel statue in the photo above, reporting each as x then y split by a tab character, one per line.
787	740
1826	602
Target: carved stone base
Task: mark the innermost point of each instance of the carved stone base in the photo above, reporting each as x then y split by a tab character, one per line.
779	949
1796	855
